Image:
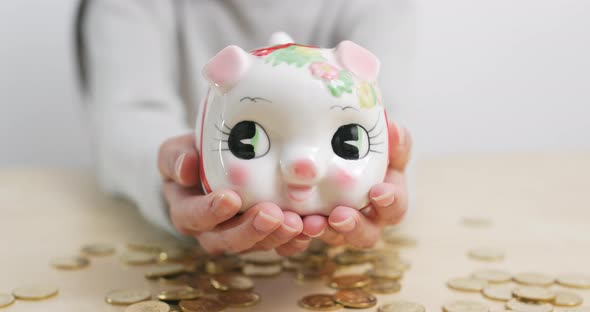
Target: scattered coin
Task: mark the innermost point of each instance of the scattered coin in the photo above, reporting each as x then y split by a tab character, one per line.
262	270
267	257
202	305
349	281
498	292
6	300
386	272
98	250
223	264
239	298
171	253
574	280
393	237
465	306
392	264
383	286
148	306
490	254
402	306
467	284
132	257
127	296
174	295
229	281
534	279
578	309
567	299
519	306
35	292
533	293
355	298
70	263
492	276
319	302
164	270
149	247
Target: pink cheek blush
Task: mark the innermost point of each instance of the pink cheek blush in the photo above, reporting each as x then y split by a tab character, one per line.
343	179
238	175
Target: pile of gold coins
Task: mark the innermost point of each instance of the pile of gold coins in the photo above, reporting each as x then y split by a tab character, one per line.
522	292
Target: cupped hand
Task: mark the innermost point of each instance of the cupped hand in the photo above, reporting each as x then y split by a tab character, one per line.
213	218
389	202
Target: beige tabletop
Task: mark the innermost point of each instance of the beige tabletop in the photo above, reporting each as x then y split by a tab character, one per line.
539	206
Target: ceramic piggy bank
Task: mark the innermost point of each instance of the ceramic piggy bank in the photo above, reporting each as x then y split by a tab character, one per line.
300	126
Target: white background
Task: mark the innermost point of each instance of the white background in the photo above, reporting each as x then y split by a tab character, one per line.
490	76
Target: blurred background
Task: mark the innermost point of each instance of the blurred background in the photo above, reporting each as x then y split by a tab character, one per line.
488	76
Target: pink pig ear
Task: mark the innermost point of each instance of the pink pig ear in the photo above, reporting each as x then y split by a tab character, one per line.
227	67
358	60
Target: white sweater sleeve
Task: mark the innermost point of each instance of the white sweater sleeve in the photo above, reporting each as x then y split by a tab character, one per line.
131	56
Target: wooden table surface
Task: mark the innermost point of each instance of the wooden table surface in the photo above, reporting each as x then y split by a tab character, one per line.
539	206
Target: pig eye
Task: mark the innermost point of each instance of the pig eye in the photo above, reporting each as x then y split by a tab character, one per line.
248	140
351	142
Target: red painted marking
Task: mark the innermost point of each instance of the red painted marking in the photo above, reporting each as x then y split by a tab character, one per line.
204	181
388	138
269	50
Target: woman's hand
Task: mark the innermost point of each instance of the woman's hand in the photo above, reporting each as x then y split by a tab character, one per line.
212	219
389	202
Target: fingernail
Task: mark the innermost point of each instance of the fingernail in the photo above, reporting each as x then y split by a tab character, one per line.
384	200
302	241
178	166
264	222
346	225
401	133
289	229
222	206
318	234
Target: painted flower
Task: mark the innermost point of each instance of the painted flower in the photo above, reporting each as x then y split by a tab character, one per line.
343	84
323	70
367	95
296	55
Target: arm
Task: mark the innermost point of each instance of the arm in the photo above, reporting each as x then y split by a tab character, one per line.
135	106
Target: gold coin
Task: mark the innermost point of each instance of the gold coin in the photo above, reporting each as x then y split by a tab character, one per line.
401	306
164	270
149	247
228	281
138	257
353	257
467	284
355	298
262	270
465	306
392	264
574	280
519	306
223	264
202	282
578	309
239	298
202	305
490	254
392	237
98	250
567	299
319	302
266	257
533	293
492	276
534	279
186	293
290	265
127	296
70	263
386	272
383	286
172	253
35	292
148	306
349	281
6	300
498	292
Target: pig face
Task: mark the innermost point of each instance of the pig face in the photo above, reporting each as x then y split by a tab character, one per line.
299	126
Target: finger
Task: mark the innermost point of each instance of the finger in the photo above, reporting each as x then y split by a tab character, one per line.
291	227
178	160
192	212
400	146
296	245
317	227
356	228
239	234
389	202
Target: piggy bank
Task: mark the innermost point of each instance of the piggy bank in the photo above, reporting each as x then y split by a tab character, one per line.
300	126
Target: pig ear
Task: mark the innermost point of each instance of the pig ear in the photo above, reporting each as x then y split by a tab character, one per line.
227	67
358	60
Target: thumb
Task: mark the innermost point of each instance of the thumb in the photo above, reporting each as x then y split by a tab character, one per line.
178	160
400	146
